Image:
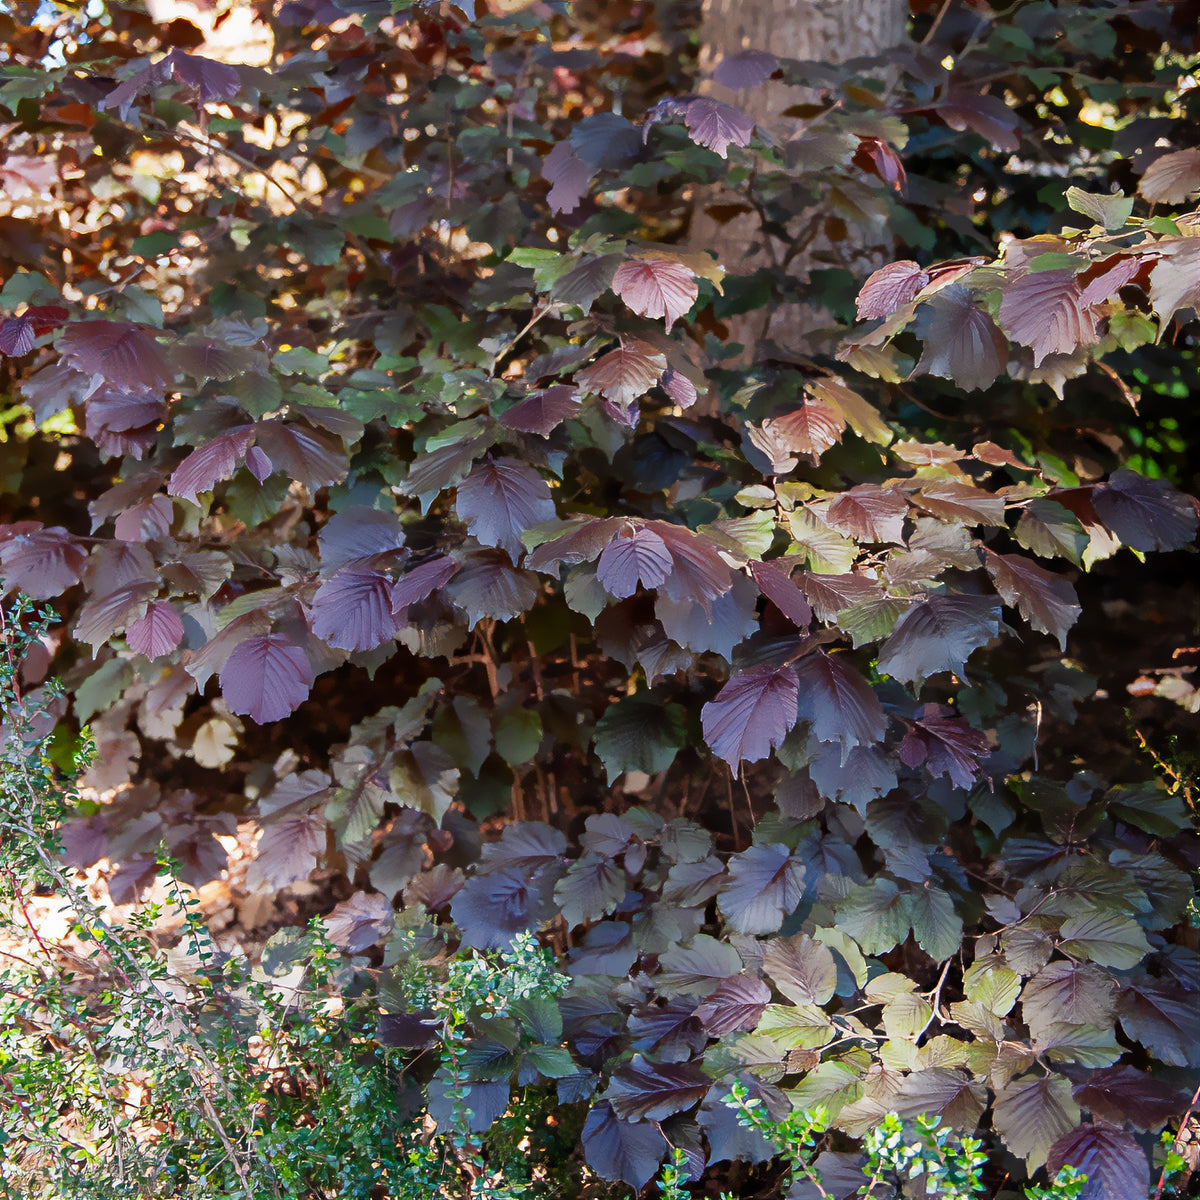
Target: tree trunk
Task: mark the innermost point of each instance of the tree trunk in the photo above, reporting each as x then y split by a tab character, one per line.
832	31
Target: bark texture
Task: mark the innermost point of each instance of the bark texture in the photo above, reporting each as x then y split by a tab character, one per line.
833	31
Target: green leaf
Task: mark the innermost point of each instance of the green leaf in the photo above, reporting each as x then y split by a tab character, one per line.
554	1062
1110	211
988	981
1106	938
518	735
876	916
795	1027
639	734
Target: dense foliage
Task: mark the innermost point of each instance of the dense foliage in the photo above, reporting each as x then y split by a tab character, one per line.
381	437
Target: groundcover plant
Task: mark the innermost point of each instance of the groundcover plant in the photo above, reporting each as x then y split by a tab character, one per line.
571	688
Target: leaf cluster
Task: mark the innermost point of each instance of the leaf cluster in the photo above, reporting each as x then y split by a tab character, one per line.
428	521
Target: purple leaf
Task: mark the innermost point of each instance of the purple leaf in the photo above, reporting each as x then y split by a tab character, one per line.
210	80
1043	310
809	430
830	594
1174	280
294	830
212	357
492	909
1124	1093
802	968
569	175
358	532
584	539
939	634
838	701
656	287
751	714
591	888
113	565
103	616
500	499
717	627
946	745
1109	281
746	69
353	610
954	500
679	387
650	1091
258	464
869	513
16	336
41	562
532	847
716	125
985	115
1047	601
628	1151
214	654
311	457
1145	514
1115	1165
487	585
736	1005
158	632
961	342
266	678
605	139
144	521
766	883
774	581
360	921
582	284
624	374
700	573
122	423
890	288
542	410
116	353
1165	1019
1172	178
209	464
636	555
422	581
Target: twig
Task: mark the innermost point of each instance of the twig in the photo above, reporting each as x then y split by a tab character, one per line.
935	1000
1183	1124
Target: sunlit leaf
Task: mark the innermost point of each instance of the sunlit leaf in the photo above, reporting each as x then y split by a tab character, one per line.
717	125
266	677
656	287
960	341
624	374
1046	601
1172	177
158	632
890	288
1043	310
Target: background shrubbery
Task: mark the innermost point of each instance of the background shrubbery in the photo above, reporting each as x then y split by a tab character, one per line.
546	697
